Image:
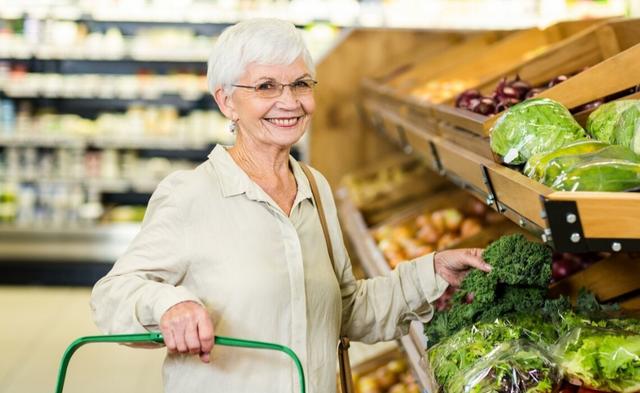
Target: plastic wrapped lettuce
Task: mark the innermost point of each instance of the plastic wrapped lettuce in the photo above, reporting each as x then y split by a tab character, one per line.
599	175
459	352
561	164
514	367
602	359
627	129
601	122
538	163
531	127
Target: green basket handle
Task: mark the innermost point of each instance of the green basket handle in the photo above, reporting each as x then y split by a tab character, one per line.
157	338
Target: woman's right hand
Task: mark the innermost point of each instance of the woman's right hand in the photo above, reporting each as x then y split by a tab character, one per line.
187	328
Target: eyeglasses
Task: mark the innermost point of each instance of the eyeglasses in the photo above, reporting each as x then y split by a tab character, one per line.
272	89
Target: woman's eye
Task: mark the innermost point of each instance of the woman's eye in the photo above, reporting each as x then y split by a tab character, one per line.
302	84
266	86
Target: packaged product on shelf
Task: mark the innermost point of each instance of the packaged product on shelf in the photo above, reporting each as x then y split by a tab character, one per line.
601	123
535	126
604	359
513	366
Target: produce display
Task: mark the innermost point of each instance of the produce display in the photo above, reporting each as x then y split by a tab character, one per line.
509	308
513	366
441	90
431	230
602	122
517	283
535	126
506	94
603	359
393	377
557	152
567	264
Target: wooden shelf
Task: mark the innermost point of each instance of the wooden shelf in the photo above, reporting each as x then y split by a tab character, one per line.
569	221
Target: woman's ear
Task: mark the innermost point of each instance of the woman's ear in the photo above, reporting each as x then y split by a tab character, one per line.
225	103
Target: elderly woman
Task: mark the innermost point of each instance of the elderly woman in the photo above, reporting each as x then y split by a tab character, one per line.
236	247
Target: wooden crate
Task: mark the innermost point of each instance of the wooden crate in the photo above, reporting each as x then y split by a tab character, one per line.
415	181
601	48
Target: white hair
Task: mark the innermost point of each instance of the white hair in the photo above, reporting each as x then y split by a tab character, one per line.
261	41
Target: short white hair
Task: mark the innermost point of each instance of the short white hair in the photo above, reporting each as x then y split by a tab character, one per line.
261	41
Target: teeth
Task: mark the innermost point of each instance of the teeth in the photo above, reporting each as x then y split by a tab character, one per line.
284	122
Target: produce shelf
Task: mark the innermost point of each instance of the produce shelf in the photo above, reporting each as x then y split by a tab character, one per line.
590	54
569	221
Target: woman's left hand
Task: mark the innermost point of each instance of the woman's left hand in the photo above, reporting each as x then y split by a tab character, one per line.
454	265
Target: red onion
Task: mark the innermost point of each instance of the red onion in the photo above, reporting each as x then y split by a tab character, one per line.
557	80
464	99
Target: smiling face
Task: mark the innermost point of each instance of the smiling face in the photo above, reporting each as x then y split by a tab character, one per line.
279	121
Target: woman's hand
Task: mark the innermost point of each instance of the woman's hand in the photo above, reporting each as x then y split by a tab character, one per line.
187	328
453	265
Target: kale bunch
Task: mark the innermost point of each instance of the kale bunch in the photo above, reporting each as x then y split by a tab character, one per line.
517	283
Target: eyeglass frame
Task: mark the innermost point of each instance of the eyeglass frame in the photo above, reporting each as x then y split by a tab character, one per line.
281	85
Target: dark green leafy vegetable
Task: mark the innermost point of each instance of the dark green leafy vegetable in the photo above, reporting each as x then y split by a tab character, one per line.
517	283
534	126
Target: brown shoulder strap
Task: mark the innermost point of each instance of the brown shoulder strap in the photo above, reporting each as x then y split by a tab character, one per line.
318	201
346	380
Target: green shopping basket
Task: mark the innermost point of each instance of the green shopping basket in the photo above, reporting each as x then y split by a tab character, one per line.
157	338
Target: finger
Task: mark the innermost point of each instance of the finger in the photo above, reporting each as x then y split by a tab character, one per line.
191	339
169	340
178	334
476	252
476	262
205	333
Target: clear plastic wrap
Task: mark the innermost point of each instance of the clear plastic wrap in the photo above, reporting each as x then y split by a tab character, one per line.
462	350
537	165
627	129
599	174
602	359
602	122
512	367
531	127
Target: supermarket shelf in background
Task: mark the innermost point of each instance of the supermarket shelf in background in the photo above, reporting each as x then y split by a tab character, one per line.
115	142
176	100
65	243
101	185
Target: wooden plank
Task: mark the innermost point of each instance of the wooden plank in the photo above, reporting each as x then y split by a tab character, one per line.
606	214
631	304
415	356
588	85
428	68
607	41
608	279
468	140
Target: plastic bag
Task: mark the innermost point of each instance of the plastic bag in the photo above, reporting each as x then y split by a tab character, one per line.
531	127
514	367
627	129
462	350
602	359
599	175
601	122
537	165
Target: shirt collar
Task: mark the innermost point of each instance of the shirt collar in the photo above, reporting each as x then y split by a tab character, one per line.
235	181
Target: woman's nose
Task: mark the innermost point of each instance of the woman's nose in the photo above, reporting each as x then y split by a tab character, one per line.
288	99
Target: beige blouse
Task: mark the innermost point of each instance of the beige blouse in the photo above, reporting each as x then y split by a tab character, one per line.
213	236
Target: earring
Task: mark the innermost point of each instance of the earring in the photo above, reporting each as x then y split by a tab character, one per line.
233	126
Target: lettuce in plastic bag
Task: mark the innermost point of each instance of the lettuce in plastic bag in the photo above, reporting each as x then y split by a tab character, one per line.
537	165
531	127
513	367
460	351
599	175
559	165
602	359
627	129
601	122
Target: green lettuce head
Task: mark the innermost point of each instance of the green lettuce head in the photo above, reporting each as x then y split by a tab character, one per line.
534	126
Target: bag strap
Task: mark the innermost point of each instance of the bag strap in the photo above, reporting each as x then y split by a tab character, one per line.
346	380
